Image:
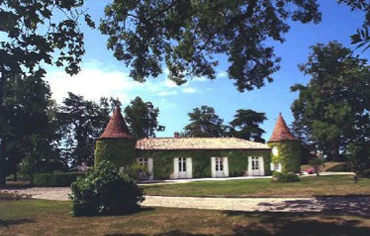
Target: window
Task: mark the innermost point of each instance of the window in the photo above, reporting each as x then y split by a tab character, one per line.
255	164
182	164
143	162
275	151
219	164
278	166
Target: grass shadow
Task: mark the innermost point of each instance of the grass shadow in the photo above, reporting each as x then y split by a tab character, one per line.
303	224
170	233
8	223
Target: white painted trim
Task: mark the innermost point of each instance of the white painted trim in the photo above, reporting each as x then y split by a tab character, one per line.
175	168
272	166
261	165
249	166
213	167
226	166
150	168
189	168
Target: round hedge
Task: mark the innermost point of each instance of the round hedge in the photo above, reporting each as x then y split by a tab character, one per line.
121	152
104	191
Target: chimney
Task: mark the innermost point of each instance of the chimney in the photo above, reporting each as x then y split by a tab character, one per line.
176	135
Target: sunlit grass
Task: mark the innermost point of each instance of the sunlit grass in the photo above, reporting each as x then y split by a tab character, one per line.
308	186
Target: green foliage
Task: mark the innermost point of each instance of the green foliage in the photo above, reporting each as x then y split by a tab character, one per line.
58	179
105	192
187	35
141	118
332	110
134	169
30	130
361	37
81	123
32	36
121	152
246	125
204	123
288	156
316	162
279	177
201	161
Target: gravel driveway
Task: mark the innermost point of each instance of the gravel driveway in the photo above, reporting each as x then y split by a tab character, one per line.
358	205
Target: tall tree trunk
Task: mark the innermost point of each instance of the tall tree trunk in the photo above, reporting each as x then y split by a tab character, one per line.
2	157
335	150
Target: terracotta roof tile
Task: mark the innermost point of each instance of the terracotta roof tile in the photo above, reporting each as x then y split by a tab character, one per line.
281	131
116	127
197	144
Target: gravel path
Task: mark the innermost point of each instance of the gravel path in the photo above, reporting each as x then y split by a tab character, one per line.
358	205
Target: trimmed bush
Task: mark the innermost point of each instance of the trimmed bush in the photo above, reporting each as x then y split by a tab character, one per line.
62	179
279	177
105	192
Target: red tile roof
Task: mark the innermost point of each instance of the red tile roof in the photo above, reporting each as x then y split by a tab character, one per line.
116	127
281	131
197	144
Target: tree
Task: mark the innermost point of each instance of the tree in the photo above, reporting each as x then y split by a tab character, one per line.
187	34
32	37
204	123
333	109
316	164
361	37
31	130
246	125
82	122
141	118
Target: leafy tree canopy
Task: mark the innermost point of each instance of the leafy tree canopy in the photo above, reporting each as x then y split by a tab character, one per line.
30	130
246	125
333	108
204	123
141	118
35	33
187	34
82	122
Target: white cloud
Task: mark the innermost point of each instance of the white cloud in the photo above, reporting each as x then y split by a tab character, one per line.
97	80
200	79
189	90
166	93
170	83
222	74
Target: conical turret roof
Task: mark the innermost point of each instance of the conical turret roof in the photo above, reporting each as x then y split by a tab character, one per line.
281	131
116	127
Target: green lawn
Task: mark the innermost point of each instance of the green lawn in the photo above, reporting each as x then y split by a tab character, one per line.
40	217
309	186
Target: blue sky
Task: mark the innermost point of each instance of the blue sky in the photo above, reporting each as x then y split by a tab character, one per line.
102	75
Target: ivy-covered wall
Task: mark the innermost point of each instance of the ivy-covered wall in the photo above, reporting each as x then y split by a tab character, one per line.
288	155
121	152
201	161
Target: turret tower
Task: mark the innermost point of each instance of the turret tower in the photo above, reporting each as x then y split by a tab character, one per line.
116	144
285	148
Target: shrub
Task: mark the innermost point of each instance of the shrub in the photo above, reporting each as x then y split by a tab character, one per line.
61	179
279	177
105	192
134	170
